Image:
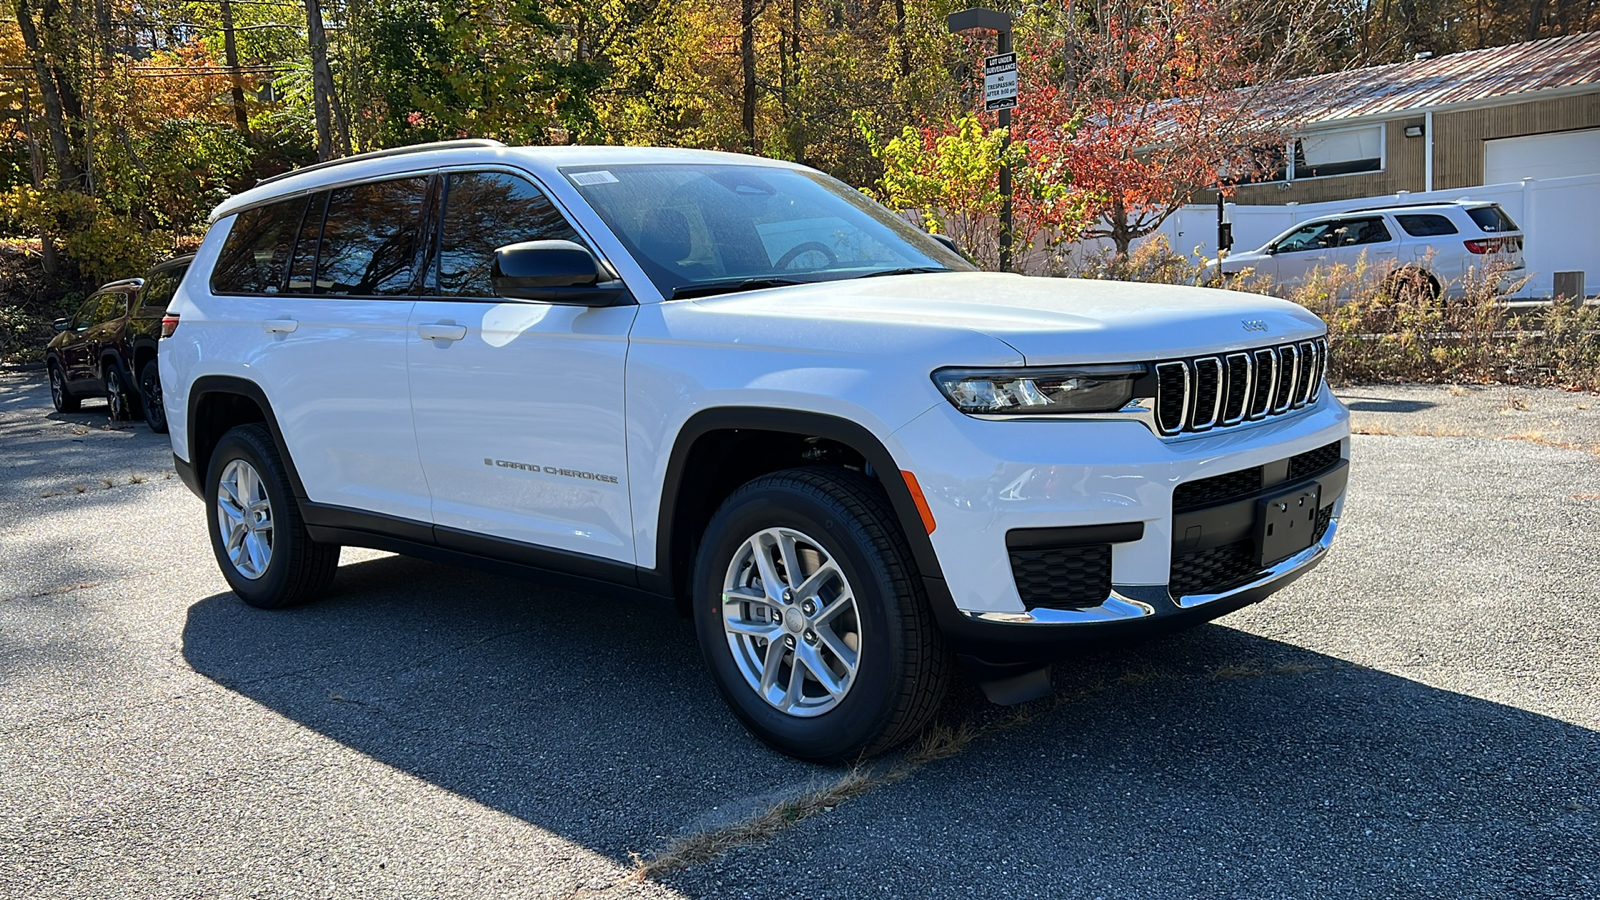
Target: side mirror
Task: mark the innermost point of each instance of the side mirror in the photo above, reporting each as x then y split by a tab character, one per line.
63	324
948	241
1271	250
554	272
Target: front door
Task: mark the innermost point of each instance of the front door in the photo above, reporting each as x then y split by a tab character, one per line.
1302	250
518	405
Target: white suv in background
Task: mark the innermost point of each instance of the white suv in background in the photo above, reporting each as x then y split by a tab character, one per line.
739	384
1430	247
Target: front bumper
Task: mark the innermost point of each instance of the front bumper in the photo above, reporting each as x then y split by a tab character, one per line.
1117	479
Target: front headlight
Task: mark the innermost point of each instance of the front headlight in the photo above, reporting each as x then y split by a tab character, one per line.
1042	391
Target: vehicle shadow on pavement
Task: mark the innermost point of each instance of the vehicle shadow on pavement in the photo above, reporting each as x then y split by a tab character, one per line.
592	718
589	716
1221	763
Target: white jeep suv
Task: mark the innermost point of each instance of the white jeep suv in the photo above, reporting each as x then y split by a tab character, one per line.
742	385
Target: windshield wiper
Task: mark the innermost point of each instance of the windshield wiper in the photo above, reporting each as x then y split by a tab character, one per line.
732	285
910	270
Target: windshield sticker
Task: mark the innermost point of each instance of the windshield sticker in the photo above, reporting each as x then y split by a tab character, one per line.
584	179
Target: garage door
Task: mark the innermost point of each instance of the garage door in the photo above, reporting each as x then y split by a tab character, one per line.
1542	156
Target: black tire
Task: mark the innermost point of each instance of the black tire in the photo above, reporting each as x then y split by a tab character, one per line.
1412	286
297	568
120	400
903	665
60	397
155	411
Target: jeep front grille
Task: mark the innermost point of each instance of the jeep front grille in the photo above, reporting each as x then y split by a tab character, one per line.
1206	392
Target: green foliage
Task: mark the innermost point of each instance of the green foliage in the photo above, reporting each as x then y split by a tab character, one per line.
172	176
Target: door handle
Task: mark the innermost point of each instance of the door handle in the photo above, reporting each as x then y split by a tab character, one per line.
280	326
441	331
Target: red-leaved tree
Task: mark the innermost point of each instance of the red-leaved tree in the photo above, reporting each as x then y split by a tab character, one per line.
1144	102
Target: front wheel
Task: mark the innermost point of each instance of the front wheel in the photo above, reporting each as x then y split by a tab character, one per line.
260	542
155	413
60	397
812	617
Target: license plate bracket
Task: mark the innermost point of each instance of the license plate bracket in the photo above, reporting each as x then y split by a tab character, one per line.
1286	523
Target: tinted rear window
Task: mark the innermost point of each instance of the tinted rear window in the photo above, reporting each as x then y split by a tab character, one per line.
1492	219
369	242
158	291
1418	225
255	257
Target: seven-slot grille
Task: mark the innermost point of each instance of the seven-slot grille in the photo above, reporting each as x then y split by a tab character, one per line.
1206	392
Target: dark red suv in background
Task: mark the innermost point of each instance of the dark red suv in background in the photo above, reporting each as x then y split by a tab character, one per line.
108	348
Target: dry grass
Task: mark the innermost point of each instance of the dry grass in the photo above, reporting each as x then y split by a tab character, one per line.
1379	332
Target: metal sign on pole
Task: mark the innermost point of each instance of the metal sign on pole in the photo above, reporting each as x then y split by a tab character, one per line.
1000	81
1000	94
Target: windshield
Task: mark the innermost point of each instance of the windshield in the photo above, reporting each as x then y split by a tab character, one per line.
702	228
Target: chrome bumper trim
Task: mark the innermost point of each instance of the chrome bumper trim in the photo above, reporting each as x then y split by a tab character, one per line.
1121	608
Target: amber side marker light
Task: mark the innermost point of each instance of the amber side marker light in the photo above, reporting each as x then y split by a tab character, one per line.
920	500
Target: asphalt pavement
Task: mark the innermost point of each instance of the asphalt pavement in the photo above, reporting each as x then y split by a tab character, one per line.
1419	717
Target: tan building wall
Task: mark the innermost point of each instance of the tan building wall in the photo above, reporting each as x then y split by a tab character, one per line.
1458	147
1402	171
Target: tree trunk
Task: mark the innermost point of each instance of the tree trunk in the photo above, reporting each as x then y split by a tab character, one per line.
747	63
321	80
47	247
230	49
900	35
68	176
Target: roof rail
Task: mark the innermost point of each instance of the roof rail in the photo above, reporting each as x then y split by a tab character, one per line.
1409	205
382	154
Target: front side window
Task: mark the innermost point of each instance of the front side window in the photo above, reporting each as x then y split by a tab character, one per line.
85	314
1313	236
698	228
484	211
255	256
1422	225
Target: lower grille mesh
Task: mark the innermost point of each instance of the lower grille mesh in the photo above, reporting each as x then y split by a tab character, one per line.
1063	577
1217	569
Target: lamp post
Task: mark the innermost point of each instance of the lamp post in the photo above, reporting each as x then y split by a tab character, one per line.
1000	23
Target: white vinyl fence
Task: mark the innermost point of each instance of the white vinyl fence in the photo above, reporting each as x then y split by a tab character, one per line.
1560	216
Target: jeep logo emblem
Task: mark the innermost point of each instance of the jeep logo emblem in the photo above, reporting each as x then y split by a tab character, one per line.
1253	325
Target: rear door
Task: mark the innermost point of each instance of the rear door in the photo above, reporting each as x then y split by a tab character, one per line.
109	309
518	404
1368	238
325	324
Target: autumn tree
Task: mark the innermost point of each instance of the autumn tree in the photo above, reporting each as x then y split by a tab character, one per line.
1144	102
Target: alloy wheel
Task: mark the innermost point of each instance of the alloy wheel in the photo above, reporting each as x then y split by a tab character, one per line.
791	620
244	519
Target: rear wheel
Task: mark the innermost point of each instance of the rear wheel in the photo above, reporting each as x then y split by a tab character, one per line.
121	402
260	542
1411	286
812	617
155	413
60	397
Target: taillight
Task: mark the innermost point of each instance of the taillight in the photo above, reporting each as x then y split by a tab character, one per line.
169	322
1489	246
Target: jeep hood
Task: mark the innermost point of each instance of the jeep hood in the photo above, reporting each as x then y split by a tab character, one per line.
1047	320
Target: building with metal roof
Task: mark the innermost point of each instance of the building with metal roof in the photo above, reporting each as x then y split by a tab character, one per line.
1491	116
